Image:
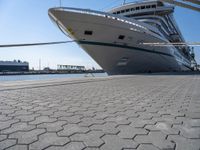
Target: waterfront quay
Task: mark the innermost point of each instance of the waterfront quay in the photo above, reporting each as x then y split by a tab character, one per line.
46	72
143	112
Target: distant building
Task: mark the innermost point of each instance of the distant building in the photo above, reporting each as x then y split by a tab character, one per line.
70	67
13	66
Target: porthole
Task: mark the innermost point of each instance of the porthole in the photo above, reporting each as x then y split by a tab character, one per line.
121	37
87	32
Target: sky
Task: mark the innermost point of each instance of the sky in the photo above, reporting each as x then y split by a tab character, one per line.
27	21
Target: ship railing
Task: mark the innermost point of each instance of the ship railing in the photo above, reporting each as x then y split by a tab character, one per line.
140	27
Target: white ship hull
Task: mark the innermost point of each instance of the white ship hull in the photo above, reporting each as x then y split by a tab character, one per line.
114	55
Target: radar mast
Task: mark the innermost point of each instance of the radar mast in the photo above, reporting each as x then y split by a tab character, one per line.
124	2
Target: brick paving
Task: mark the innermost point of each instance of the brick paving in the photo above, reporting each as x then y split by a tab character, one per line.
143	112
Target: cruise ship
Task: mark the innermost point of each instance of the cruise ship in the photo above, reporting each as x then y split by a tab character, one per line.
116	39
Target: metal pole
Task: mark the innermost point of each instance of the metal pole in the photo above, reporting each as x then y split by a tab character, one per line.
124	2
39	64
60	3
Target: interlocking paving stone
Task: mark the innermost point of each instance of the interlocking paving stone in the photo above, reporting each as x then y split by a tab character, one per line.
48	139
120	120
138	123
46	112
71	119
143	112
61	114
158	139
21	112
89	148
117	143
163	127
184	143
52	127
147	147
87	122
7	124
4	118
188	132
107	128
42	119
130	132
27	137
69	146
27	118
194	115
90	139
7	143
20	126
194	122
102	115
71	129
3	137
8	111
18	147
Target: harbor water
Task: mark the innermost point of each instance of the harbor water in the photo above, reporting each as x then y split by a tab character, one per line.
47	76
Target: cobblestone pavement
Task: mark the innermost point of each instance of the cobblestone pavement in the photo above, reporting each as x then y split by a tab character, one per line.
143	112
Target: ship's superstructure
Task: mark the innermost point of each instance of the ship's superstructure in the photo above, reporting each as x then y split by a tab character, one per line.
114	38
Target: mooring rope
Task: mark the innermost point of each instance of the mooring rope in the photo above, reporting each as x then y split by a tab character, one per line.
194	44
35	44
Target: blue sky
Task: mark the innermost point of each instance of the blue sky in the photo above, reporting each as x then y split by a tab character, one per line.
27	21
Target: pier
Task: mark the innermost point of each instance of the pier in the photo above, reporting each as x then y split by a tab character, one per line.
143	112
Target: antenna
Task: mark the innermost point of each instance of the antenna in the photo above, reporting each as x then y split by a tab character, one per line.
124	2
60	3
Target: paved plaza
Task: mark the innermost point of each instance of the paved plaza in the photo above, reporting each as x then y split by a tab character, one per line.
143	112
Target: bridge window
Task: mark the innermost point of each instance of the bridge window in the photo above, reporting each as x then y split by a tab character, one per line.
142	7
127	10
121	37
153	6
148	6
132	9
87	32
137	8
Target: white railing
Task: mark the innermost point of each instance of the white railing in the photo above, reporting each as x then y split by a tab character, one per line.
140	25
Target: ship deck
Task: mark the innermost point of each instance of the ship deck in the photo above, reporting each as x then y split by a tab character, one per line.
149	111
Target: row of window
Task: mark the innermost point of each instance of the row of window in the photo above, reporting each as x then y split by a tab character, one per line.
136	8
87	32
70	67
120	37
